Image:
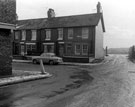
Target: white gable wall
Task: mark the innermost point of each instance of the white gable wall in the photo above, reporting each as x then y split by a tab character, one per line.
99	51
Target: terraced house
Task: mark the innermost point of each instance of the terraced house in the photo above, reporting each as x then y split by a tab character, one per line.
77	38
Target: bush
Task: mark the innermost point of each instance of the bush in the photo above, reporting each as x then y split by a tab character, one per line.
131	54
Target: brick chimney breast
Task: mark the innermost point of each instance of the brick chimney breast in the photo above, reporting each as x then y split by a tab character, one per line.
51	13
99	8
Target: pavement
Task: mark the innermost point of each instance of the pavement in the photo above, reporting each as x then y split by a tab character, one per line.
19	76
64	63
23	78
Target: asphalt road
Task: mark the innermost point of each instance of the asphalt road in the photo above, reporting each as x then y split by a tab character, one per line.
111	84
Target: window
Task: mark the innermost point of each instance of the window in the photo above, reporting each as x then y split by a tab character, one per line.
23	35
85	49
17	35
34	35
77	49
70	33
48	34
68	49
30	48
49	48
60	34
85	33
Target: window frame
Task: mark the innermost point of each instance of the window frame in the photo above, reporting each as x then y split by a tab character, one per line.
70	32
85	33
48	34
76	53
34	35
60	34
16	35
23	35
83	53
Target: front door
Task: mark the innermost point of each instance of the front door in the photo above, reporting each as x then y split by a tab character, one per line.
16	49
61	50
22	50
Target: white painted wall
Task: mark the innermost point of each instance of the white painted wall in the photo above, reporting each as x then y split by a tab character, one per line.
99	51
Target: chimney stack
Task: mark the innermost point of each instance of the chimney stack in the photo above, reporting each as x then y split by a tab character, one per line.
99	8
51	13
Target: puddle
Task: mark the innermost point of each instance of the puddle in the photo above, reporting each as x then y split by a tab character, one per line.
79	78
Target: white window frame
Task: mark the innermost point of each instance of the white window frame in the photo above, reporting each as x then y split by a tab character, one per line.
60	34
23	35
83	49
31	45
85	33
76	53
34	35
48	34
16	35
70	32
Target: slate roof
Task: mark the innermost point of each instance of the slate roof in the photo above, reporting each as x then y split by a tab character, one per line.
58	22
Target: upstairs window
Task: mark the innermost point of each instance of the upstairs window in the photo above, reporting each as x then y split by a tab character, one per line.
23	35
60	34
85	33
48	34
17	34
34	35
70	33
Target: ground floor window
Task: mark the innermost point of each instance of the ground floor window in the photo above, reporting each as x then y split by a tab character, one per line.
77	49
81	49
49	48
30	48
84	49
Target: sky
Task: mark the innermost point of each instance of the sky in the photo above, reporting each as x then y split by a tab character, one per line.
119	16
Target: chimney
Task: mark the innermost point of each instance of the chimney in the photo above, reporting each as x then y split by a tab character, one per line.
51	13
99	8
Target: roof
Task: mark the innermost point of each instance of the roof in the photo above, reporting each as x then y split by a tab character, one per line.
7	26
58	22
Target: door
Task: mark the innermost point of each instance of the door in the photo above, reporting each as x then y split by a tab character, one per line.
61	50
22	50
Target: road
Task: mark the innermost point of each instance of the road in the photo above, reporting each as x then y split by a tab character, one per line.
110	84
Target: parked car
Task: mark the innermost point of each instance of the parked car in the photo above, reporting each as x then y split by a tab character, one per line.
50	58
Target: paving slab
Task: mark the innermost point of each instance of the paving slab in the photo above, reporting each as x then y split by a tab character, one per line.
22	78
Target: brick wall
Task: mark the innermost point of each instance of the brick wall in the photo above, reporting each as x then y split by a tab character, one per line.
5	52
7	15
8	11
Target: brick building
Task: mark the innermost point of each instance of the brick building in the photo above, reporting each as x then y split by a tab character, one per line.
7	21
77	38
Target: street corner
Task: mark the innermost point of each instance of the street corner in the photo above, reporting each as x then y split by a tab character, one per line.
20	79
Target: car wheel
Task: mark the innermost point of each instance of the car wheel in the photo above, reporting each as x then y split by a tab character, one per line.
51	62
34	61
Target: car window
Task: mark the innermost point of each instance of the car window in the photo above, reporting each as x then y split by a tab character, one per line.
47	55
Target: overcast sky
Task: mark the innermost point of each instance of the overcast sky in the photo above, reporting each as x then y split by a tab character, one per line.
119	16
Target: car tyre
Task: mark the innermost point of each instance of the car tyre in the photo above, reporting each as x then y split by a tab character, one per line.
34	61
51	62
